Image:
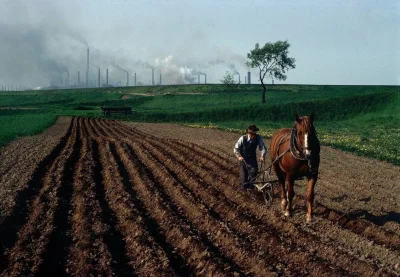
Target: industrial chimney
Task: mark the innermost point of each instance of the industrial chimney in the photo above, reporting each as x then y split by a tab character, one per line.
135	79
160	78
98	78
107	77
127	79
152	77
87	69
248	78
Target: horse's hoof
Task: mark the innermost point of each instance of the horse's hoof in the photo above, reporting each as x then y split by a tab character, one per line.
283	205
287	213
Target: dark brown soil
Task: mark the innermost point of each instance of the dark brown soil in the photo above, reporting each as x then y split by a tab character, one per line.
96	197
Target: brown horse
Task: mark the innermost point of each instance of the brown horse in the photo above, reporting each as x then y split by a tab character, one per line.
295	154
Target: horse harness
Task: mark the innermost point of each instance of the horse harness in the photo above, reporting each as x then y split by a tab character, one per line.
296	153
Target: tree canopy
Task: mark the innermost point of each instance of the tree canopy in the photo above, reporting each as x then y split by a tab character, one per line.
272	60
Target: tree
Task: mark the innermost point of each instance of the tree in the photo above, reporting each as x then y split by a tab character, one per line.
271	59
229	83
228	80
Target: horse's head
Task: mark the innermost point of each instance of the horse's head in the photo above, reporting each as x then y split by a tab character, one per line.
306	134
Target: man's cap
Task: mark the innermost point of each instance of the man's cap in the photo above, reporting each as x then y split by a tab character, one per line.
252	129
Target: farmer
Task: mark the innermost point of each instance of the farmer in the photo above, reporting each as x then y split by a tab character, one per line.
245	151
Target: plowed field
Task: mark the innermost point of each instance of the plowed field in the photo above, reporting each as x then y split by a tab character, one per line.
94	197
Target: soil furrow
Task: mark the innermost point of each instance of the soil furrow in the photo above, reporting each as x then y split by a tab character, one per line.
10	225
191	147
145	255
32	240
214	230
89	255
155	229
202	254
113	237
177	260
55	256
21	158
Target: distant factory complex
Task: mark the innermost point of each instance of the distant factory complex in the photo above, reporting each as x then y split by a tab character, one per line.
65	82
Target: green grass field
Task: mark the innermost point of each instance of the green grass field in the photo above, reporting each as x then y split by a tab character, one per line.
360	119
15	124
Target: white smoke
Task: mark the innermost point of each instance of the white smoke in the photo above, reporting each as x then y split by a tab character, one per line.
174	73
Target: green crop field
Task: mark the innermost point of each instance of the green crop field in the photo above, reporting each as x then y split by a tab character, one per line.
360	119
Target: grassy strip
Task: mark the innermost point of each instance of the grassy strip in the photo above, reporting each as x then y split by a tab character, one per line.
324	109
15	124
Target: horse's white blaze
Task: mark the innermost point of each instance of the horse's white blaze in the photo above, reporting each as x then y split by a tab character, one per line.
308	152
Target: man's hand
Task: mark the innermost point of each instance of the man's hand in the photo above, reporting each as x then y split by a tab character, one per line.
240	158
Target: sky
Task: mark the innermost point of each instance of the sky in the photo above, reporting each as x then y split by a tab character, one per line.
348	42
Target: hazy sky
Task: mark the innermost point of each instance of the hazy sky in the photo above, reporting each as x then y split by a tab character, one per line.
334	42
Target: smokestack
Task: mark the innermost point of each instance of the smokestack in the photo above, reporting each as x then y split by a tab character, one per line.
248	78
79	78
135	79
127	79
152	77
107	77
98	78
198	79
205	78
87	69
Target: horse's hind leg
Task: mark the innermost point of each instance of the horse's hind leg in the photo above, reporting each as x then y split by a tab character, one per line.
281	181
290	195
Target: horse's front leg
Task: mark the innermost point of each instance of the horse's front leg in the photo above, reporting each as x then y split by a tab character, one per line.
310	197
290	195
281	181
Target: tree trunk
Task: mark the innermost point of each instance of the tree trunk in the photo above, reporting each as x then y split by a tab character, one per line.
263	93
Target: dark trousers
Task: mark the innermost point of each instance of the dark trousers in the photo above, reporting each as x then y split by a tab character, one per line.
248	173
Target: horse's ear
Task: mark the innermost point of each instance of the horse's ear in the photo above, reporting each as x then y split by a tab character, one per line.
312	117
298	119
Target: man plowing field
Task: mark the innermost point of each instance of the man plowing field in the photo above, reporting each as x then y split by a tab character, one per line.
245	150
